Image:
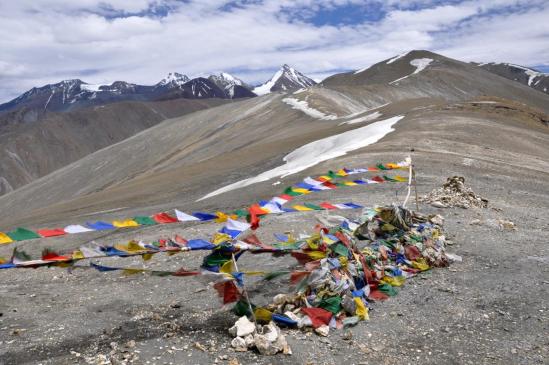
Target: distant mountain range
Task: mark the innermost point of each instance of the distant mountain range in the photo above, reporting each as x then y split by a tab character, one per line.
71	95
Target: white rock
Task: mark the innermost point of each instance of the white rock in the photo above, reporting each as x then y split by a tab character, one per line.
249	340
280	299
438	204
239	344
242	327
323	330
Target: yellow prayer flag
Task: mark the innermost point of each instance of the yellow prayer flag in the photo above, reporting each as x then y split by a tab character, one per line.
400	178
316	255
227	267
132	271
301	208
325	177
420	264
349	183
361	310
221	217
220	238
77	255
341	173
394	280
300	190
125	223
263	315
4	238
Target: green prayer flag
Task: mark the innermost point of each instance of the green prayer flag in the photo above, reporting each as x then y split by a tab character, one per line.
289	191
340	249
381	167
216	258
241	213
332	174
241	308
331	304
387	178
22	234
312	206
144	221
275	274
387	289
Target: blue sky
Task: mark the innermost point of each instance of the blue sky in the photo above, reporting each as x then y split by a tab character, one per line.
101	41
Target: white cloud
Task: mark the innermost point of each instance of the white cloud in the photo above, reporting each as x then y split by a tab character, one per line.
103	41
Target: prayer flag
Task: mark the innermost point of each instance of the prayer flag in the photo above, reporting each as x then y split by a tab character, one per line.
100	226
22	234
51	232
184	217
144	221
4	239
77	228
125	223
204	216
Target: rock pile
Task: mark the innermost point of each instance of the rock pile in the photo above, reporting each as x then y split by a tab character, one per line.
454	193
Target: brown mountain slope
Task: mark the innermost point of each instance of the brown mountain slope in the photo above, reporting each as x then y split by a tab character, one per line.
30	150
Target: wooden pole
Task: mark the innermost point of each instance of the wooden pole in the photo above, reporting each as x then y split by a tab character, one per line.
245	292
409	161
415	189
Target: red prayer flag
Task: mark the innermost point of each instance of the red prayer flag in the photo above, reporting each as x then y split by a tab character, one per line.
228	291
318	316
286	197
184	272
411	252
51	232
296	276
180	240
327	206
164	218
253	240
329	185
54	256
378	179
377	295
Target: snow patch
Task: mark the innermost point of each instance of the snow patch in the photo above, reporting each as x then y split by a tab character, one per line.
266	87
366	118
318	151
419	63
303	106
396	58
92	87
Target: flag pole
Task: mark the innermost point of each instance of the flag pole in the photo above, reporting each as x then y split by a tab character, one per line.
409	161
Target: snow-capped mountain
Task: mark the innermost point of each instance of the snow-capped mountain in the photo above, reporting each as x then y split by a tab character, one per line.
74	94
525	75
285	79
232	86
197	88
174	80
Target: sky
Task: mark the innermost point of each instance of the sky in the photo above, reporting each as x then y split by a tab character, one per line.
141	41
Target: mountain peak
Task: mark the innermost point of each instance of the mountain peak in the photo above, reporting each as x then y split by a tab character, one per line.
285	79
232	86
174	79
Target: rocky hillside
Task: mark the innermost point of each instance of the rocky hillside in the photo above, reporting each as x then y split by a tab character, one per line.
527	76
31	149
